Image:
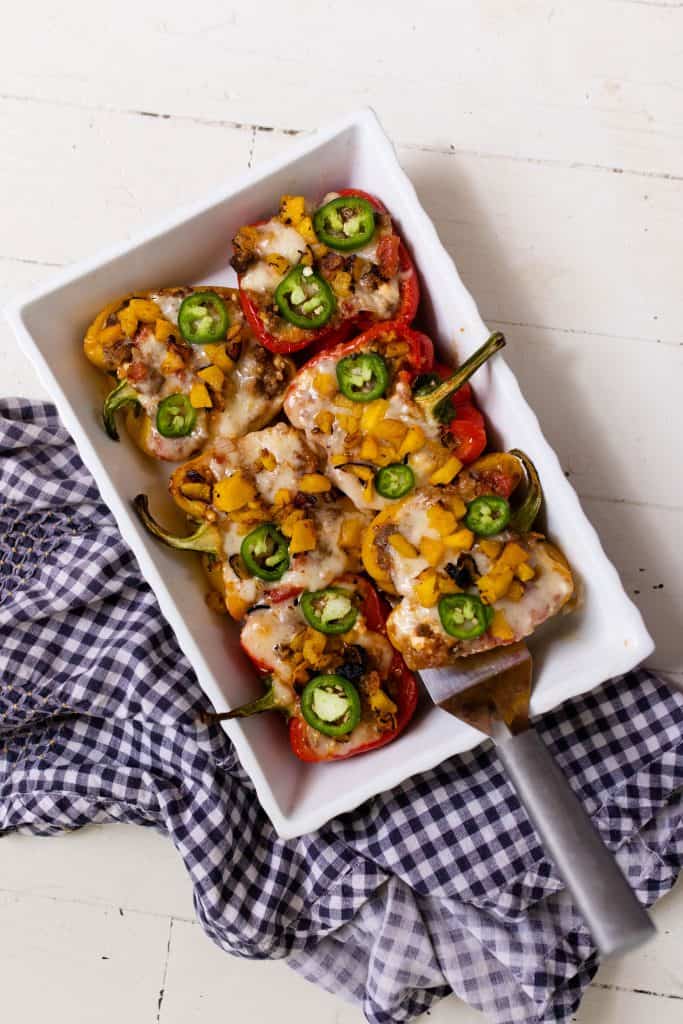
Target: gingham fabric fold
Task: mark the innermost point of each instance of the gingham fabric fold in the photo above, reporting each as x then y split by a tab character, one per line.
438	886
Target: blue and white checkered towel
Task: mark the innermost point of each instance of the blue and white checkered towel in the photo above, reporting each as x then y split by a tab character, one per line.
436	887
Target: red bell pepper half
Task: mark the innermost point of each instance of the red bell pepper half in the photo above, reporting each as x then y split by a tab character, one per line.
393	258
399	680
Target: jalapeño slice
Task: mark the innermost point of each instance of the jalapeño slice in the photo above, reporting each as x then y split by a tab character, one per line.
331	705
330	611
464	616
265	552
487	514
394	480
345	223
176	417
304	298
203	318
363	377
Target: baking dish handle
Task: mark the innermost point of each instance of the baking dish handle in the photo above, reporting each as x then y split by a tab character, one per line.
604	898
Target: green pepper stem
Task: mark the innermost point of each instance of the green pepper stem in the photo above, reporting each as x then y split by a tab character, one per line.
524	515
123	394
255	707
205	539
431	402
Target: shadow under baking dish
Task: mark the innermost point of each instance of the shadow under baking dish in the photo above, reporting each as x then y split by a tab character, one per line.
604	638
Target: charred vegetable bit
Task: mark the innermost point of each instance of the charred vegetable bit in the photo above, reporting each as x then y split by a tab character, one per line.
205	539
304	298
524	515
330	611
394	480
203	318
265	552
464	616
345	223
488	514
123	394
331	705
363	377
435	401
176	416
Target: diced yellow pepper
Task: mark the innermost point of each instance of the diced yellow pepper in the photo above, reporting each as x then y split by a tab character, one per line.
524	572
236	606
500	627
390	430
383	704
458	506
341	283
350	534
441	519
213	376
513	555
288	524
110	335
128	321
515	591
314	483
427	589
194	490
325	384
349	423
369	449
163	330
412	442
339	460
373	412
402	546
171	363
145	310
324	421
491	548
494	585
292	209
277	262
282	497
461	540
200	397
233	493
219	357
444	474
307	231
268	460
303	537
314	646
432	550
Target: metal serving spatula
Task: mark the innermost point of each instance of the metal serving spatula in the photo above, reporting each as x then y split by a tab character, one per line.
491	692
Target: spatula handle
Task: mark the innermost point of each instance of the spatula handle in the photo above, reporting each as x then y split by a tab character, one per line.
603	896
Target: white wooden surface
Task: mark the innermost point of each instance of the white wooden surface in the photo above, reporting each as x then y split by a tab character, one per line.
547	141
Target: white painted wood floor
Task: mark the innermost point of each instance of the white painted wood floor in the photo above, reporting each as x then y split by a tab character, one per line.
546	140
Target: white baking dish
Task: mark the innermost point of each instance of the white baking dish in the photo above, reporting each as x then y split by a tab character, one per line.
573	654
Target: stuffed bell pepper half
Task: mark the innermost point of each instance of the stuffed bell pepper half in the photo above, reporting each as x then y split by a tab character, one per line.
385	417
313	274
329	668
469	571
189	369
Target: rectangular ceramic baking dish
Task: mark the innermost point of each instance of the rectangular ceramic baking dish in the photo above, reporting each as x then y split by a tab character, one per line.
606	637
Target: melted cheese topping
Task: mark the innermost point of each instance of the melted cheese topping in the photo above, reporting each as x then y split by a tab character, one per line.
274	237
268	632
304	402
247	406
